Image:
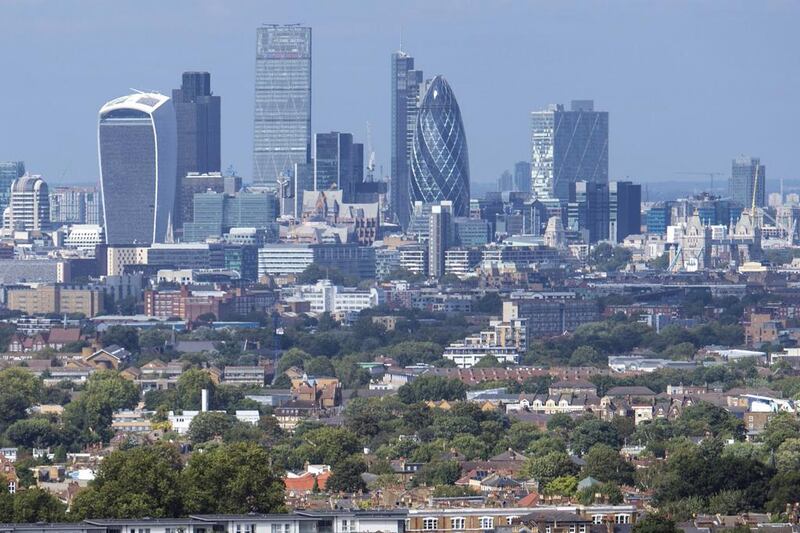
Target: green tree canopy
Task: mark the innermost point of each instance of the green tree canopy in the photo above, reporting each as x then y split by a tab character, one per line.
232	479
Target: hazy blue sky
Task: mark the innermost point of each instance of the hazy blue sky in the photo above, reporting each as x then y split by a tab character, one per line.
688	85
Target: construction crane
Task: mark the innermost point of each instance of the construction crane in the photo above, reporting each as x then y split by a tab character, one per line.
709	174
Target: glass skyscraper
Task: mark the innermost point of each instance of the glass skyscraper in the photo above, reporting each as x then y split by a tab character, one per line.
439	158
9	171
137	144
338	162
197	113
566	147
282	124
405	83
747	175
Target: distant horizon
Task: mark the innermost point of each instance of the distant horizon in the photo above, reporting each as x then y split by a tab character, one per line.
678	79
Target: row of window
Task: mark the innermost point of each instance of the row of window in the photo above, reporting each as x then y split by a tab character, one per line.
487	522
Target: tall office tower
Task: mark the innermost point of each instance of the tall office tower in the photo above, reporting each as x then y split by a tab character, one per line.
197	114
9	171
282	123
303	180
405	83
93	201
505	182
440	237
624	210
336	163
137	144
568	146
522	176
748	181
439	158
68	205
587	210
194	183
29	208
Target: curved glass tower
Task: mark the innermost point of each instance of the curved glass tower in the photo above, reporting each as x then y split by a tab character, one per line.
439	159
137	146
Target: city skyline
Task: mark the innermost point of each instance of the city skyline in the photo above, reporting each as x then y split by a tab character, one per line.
706	66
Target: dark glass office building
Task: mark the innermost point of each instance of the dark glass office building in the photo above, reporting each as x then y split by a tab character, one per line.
137	146
587	210
405	85
522	176
624	210
282	123
568	146
197	115
338	163
439	158
9	171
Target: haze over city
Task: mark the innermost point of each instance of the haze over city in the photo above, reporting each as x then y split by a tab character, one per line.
688	85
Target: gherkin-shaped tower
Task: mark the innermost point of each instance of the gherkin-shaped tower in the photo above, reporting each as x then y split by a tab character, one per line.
439	159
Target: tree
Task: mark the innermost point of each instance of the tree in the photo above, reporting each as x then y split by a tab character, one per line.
432	388
190	386
438	473
594	431
787	457
33	433
655	524
609	258
142	481
584	356
125	336
88	419
19	389
562	486
780	427
488	303
546	468
320	366
488	361
206	426
604	463
346	477
328	445
37	505
232	479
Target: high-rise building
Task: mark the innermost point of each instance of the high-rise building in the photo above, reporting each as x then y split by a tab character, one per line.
748	181
624	210
587	210
216	213
522	176
74	205
338	163
197	114
505	183
282	122
568	146
194	183
405	84
9	171
439	157
440	237
137	145
29	208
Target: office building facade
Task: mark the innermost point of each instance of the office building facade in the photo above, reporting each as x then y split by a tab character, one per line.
198	120
336	163
568	146
282	122
137	144
216	213
587	210
9	171
624	210
748	182
522	176
29	208
440	237
405	89
439	156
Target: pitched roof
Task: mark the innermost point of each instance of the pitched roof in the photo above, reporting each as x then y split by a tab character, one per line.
630	391
64	335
